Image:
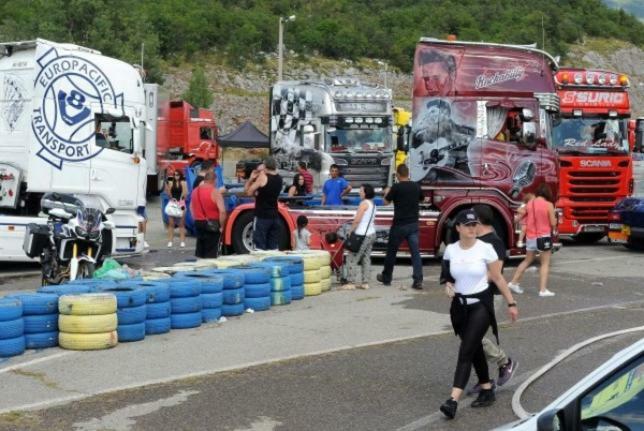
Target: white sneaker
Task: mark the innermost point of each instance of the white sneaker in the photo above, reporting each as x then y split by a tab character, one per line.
183	244
546	293
169	244
520	244
515	288
145	244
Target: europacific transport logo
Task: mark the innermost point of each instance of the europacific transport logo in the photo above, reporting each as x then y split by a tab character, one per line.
73	90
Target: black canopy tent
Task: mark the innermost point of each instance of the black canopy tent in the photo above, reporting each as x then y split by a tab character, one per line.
246	136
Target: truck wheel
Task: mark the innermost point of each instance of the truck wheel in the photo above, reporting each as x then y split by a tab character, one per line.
85	270
243	234
589	238
632	244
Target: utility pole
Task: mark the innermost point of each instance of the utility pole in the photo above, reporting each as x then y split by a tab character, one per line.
280	44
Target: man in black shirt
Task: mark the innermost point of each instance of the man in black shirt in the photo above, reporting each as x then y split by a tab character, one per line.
486	233
406	196
265	184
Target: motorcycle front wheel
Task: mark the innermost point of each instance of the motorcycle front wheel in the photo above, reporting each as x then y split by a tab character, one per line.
85	270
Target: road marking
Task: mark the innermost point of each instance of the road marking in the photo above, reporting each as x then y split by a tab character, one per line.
34	361
121	419
263	424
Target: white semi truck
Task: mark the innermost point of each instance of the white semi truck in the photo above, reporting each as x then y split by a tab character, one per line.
71	121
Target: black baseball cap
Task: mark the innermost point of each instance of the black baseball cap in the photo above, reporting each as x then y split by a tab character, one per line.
467	216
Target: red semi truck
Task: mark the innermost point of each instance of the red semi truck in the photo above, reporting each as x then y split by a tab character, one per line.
182	135
481	134
592	141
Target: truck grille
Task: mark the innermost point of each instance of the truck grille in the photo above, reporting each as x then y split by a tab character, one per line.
592	194
365	170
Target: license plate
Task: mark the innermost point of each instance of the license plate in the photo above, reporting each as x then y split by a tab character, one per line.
594	228
615	226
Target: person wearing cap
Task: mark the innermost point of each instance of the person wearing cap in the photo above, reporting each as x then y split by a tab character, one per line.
467	265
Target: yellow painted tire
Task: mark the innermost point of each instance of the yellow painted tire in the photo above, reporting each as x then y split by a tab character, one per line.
310	262
312	289
312	276
325	272
87	304
326	284
87	324
103	340
264	254
322	255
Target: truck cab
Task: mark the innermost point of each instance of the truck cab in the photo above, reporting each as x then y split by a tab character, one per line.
326	122
591	137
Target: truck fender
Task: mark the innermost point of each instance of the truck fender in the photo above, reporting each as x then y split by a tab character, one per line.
234	215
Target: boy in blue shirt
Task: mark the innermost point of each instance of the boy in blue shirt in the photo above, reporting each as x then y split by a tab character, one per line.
334	188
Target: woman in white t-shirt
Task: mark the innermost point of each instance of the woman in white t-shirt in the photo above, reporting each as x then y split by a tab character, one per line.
467	266
363	225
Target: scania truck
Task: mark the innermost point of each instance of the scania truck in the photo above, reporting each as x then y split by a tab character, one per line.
592	142
339	121
481	134
71	121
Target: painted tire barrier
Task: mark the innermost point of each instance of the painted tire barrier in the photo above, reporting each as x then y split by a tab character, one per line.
322	256
12	346
210	283
257	290
156	291
189	304
281	298
233	279
184	288
158	326
98	341
232	309
234	296
133	332
90	324
66	289
312	289
258	304
127	295
325	272
281	284
325	284
210	314
297	292
212	300
37	303
297	278
12	328
158	310
131	315
312	276
37	323
94	303
296	263
10	309
254	275
277	269
92	283
41	340
186	320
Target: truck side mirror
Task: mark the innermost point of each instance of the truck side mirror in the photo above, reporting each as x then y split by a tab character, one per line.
529	134
527	114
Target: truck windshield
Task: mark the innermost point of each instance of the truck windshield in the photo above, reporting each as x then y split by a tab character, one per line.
591	135
359	140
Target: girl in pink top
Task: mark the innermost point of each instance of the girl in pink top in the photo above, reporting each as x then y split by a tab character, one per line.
540	222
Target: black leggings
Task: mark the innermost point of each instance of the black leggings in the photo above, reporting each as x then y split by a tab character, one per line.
471	350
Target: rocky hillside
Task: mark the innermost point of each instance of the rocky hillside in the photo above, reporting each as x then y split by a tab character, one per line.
241	96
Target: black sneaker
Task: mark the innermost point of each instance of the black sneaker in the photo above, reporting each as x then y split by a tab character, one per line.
381	278
485	399
448	408
477	388
507	371
418	285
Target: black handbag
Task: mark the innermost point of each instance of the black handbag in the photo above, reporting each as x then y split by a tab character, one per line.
211	226
544	243
354	242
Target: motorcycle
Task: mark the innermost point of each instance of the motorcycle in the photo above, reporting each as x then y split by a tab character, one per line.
72	242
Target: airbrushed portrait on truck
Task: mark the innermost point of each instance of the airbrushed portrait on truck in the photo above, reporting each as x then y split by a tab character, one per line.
71	123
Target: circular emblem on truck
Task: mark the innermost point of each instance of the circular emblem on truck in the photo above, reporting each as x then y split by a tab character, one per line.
70	90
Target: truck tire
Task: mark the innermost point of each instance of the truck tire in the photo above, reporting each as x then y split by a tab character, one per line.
243	234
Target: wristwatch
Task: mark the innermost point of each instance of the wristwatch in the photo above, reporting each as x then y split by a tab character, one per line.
512	304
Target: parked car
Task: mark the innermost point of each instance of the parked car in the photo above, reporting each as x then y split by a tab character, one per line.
610	398
630	229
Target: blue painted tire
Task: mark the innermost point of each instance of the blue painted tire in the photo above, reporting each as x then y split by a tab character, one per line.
12	347
296	263
156	291
10	309
212	300
277	269
134	332
297	278
127	296
12	328
234	296
180	288
158	310
254	275
131	315
233	279
258	304
210	314
186	320
41	340
281	284
258	290
210	283
37	303
189	304
158	326
38	323
232	309
297	292
92	282
66	289
281	298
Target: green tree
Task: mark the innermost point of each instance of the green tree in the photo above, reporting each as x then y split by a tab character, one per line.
198	93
